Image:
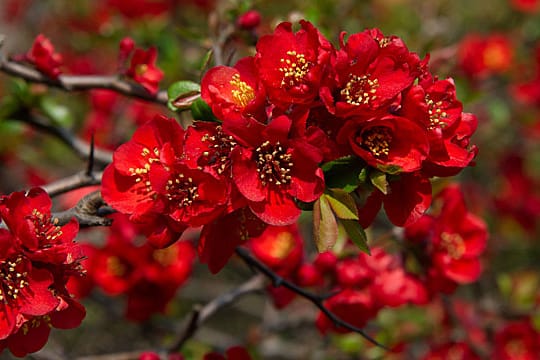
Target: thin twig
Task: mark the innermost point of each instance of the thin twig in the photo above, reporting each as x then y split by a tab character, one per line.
81	147
76	181
317	300
82	82
200	314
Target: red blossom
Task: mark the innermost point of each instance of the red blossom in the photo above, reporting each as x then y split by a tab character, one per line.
275	170
453	350
370	71
38	257
142	67
482	56
293	65
391	144
249	20
517	340
43	56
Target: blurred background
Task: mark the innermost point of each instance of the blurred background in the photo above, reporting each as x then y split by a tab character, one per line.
490	48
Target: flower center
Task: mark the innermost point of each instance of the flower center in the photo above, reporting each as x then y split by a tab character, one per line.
220	148
273	164
141	174
13	275
282	245
436	114
243	93
166	257
181	190
376	140
295	68
46	229
35	323
141	69
115	266
454	245
515	348
360	90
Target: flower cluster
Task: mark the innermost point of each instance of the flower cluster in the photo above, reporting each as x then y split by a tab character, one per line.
296	104
148	277
37	258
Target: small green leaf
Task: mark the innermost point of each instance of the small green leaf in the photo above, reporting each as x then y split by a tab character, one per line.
201	111
378	179
325	227
9	105
356	234
363	175
343	173
390	169
58	113
181	95
342	204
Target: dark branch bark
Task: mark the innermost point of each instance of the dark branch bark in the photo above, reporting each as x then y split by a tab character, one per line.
317	300
89	211
201	313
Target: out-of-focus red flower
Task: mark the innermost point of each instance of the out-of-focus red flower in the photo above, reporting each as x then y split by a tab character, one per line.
353	306
517	340
518	195
482	56
142	67
148	277
43	56
232	353
528	6
453	350
279	247
142	8
38	257
528	92
249	20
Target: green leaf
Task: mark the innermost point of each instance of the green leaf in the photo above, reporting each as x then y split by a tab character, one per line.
390	169
201	111
58	113
9	105
378	179
325	227
343	173
342	204
181	95
356	234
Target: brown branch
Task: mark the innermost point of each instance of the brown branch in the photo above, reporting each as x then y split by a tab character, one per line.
80	147
200	313
82	82
89	211
76	181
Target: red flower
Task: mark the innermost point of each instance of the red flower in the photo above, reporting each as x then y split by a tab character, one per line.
516	340
249	20
434	106
234	93
292	65
141	8
37	258
352	306
142	67
370	72
148	277
406	201
392	144
456	350
275	170
220	237
281	248
528	6
129	186
459	238
482	56
44	58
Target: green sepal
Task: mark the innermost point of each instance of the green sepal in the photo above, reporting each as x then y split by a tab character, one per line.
201	111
